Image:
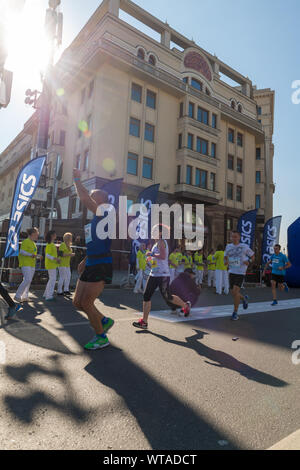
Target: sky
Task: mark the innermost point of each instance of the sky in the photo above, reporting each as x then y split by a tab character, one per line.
260	39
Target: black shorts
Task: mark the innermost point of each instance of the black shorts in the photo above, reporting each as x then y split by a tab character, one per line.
164	286
236	280
98	273
278	278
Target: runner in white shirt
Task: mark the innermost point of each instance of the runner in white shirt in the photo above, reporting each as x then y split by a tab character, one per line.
238	257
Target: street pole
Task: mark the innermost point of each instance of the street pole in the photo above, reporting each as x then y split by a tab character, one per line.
54	190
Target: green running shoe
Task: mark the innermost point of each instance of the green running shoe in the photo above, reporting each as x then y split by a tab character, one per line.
97	343
108	325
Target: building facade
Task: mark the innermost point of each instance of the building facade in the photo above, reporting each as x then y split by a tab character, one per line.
128	106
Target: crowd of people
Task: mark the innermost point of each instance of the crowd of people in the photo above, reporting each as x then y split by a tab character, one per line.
179	276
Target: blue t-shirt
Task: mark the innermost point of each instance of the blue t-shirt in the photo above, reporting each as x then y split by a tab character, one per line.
278	261
96	246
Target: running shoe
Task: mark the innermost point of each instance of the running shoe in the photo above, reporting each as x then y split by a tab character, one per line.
97	343
187	310
274	303
286	287
67	293
108	325
245	302
140	324
235	317
51	299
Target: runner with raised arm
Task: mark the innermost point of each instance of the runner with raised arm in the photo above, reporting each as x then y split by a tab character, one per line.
96	269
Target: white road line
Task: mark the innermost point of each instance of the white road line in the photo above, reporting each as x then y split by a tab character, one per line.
291	442
205	313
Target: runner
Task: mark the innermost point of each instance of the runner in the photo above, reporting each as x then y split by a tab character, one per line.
237	256
65	253
159	277
221	272
27	261
211	269
280	264
141	266
12	306
198	259
51	263
95	270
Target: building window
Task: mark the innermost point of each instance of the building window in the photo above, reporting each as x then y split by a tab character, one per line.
231	135
186	80
202	146
196	84
201	179
149	132
230	162
132	164
212	182
152	60
190	141
189	174
82	96
258	153
62	138
259	110
134	128
214	121
213	150
207	92
181	110
147	168
180	141
232	104
258	177
257	201
202	116
136	92
73	205
230	191
86	160
240	139
78	162
259	121
178	174
151	99
239	194
191	110
240	108
91	88
239	165
141	54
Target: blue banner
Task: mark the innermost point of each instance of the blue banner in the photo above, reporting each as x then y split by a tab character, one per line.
270	239
113	188
147	197
26	184
247	226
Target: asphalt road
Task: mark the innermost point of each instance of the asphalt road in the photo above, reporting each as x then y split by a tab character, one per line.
180	386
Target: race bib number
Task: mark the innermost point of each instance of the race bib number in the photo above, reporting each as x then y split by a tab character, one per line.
275	261
234	262
88	233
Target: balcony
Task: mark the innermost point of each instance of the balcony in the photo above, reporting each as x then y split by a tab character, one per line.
19	154
188	153
187	121
205	196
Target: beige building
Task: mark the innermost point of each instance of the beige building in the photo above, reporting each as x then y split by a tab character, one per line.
128	106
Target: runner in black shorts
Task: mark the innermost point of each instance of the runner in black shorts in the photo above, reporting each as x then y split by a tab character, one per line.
95	270
159	277
280	264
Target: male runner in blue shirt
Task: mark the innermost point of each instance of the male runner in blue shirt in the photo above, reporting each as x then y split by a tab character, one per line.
280	264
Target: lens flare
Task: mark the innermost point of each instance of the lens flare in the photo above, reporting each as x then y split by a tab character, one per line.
60	92
83	126
109	165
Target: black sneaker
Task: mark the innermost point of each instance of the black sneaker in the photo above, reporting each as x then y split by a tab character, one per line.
187	310
68	293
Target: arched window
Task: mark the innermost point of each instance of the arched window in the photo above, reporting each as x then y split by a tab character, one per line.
207	92
152	60
240	109
196	84
233	104
141	54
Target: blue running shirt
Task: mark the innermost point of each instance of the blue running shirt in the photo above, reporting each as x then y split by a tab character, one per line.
278	261
96	246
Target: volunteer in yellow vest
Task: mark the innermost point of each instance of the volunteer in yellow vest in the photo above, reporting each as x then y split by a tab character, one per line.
187	259
174	260
65	253
211	269
51	263
222	281
198	259
141	266
27	261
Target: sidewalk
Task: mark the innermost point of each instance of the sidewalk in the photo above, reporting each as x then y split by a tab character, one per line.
291	442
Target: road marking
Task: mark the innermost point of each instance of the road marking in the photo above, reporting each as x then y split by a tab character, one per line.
223	311
291	442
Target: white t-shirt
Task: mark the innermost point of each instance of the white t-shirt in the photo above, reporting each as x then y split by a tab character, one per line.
237	254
